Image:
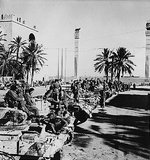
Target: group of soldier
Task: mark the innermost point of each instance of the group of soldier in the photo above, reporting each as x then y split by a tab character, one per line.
20	97
62	103
20	101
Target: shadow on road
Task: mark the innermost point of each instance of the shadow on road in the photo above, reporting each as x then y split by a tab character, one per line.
130	101
81	139
129	134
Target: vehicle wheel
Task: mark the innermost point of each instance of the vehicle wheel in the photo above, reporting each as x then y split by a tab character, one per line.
58	155
70	138
6	156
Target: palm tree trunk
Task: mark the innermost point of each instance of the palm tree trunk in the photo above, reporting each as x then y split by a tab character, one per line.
32	75
118	75
107	77
17	54
112	65
13	77
2	74
27	77
17	60
106	74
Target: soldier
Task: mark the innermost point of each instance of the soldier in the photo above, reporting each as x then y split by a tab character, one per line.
53	95
75	91
80	116
102	102
54	123
14	100
30	104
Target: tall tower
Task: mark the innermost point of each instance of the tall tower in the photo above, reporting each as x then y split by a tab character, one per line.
76	52
147	54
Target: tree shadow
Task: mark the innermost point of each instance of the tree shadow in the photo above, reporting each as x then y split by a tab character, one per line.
129	134
130	101
81	139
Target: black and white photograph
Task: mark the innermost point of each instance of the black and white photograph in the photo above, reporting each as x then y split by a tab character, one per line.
74	80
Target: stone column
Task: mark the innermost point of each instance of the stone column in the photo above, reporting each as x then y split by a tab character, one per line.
147	54
76	53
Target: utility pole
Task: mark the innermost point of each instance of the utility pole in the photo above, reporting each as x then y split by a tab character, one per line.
58	64
65	62
62	63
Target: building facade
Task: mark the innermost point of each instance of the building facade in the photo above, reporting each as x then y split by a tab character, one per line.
13	27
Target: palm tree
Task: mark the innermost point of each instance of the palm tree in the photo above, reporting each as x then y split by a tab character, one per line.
16	45
102	62
17	70
32	58
2	48
1	38
26	63
6	61
111	68
122	63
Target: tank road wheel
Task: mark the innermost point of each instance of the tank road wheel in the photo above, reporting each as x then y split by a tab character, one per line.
6	156
70	138
58	155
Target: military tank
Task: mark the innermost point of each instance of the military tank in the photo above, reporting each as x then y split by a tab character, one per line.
22	139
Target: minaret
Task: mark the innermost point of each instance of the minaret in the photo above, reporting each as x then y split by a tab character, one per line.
147	54
76	53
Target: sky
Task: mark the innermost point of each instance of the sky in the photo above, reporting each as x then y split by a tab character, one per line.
104	24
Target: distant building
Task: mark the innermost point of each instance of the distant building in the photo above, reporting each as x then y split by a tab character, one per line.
14	26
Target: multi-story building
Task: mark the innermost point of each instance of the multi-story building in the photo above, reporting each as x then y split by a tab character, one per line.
14	26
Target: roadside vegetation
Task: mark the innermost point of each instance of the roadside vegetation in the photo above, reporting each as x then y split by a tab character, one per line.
22	59
114	64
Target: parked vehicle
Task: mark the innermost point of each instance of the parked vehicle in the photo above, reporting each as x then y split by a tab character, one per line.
30	140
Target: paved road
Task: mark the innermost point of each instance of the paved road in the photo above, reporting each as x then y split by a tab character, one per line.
115	133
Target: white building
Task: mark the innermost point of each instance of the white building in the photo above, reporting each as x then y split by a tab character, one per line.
14	26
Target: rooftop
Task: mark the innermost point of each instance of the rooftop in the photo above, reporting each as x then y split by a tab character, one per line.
13	18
